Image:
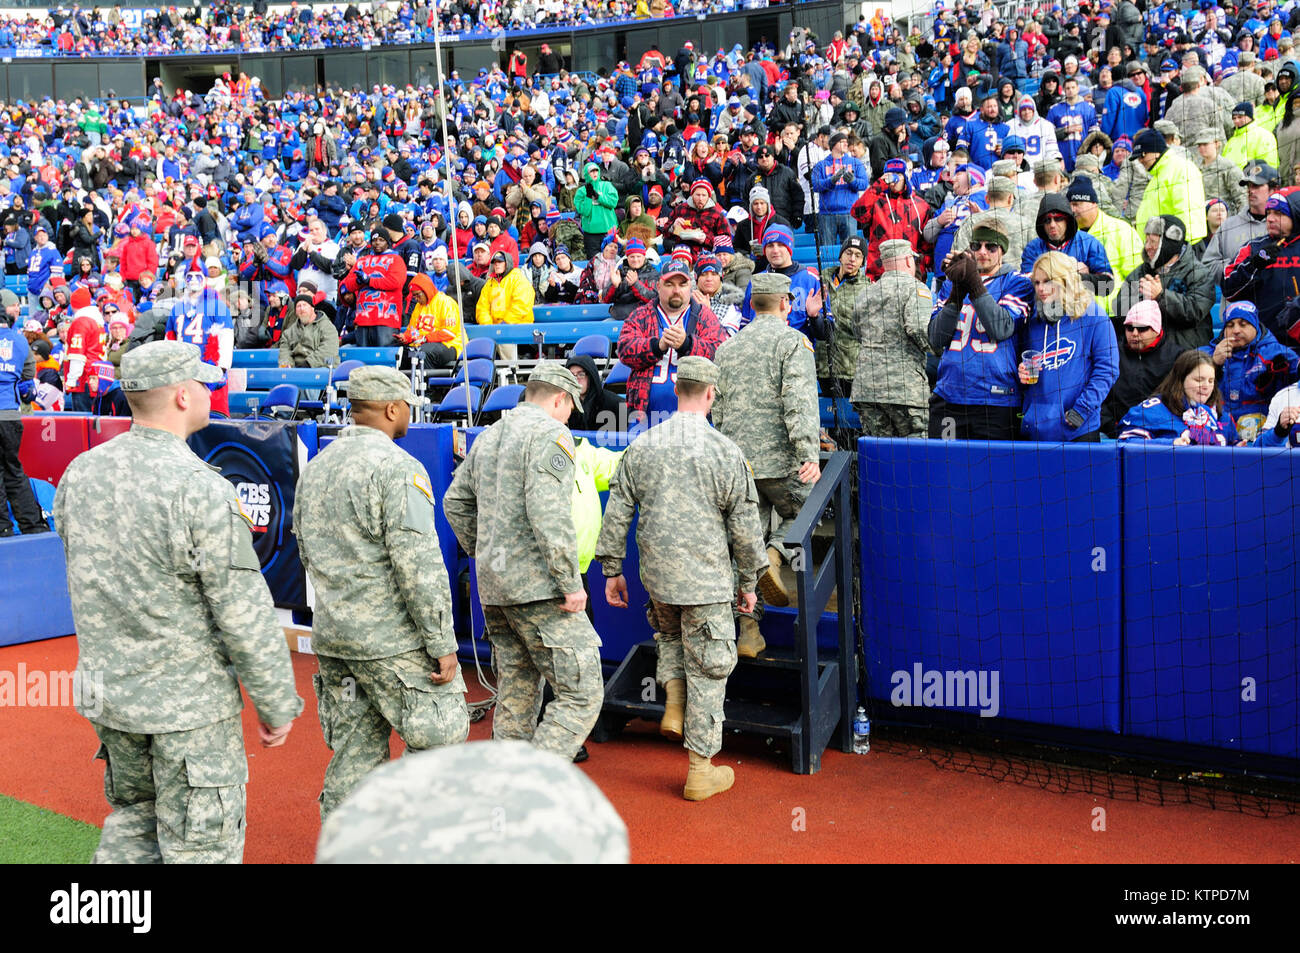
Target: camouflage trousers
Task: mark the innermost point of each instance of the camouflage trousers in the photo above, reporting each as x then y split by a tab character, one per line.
177	797
893	420
539	640
698	644
360	703
786	495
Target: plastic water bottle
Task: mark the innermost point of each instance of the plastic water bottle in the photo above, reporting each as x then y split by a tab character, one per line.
861	732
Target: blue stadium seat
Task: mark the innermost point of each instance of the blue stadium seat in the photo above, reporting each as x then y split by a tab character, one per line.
480	347
618	374
387	356
564	333
339	376
503	398
280	397
548	314
480	371
593	345
256	357
303	377
454	402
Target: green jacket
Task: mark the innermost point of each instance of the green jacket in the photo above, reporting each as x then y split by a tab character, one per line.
597	215
594	468
310	345
848	301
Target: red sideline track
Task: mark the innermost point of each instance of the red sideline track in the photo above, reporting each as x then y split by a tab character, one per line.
882	807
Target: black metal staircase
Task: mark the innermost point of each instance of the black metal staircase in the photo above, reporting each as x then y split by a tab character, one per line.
800	694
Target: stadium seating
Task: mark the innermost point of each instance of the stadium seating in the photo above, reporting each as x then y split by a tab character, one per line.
303	377
338	377
618	375
503	398
480	371
593	345
551	313
256	357
453	404
278	399
479	347
388	356
559	333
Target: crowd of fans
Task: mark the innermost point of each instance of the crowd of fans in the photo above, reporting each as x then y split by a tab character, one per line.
225	26
1078	189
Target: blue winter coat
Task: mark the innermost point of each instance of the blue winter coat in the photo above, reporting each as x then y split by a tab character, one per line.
1152	420
1250	377
1080	365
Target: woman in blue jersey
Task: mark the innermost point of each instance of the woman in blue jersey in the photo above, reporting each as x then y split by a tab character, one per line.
1079	355
1186	409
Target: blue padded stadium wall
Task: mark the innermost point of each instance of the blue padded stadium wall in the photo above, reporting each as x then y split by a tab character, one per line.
981	557
1211	600
33	612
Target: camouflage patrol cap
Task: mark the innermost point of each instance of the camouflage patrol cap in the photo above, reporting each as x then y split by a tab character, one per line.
1049	165
382	384
1000	185
160	363
695	368
1005	168
769	283
894	249
1165	127
557	375
1088	162
482	802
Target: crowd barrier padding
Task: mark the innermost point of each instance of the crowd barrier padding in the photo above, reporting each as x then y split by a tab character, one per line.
980	557
33	589
50	442
1129	588
1211	602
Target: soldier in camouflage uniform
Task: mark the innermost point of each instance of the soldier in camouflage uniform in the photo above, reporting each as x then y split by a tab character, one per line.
1003	215
1245	83
1128	188
382	632
847	286
890	390
511	506
699	511
1220	177
767	404
1197	108
489	802
1089	167
172	616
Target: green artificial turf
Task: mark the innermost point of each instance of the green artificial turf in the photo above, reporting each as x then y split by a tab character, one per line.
33	835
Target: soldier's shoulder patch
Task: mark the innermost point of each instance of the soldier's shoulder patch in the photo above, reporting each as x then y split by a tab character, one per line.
923	291
237	507
558	461
421	483
806	343
565	443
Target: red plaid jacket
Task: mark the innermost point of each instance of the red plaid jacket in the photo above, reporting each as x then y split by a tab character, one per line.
638	345
883	215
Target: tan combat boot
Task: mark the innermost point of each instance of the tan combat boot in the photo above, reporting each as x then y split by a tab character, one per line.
751	641
705	779
674	709
770	584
